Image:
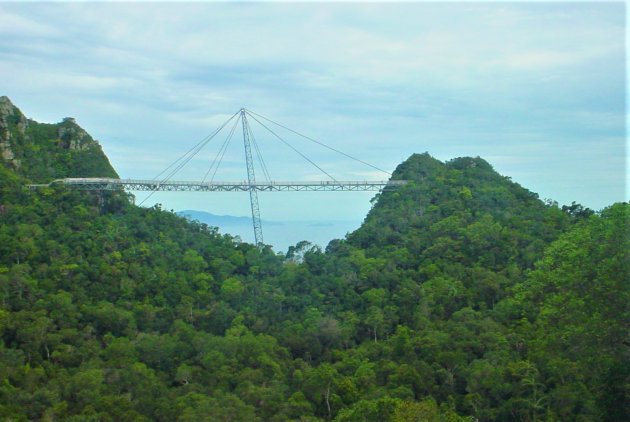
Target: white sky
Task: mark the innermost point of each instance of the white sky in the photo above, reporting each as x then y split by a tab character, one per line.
536	89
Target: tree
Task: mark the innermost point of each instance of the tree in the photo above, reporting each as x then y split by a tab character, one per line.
319	385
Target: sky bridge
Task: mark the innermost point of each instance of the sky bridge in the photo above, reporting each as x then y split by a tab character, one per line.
163	181
244	186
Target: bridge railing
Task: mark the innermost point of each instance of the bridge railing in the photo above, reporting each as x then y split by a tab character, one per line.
153	185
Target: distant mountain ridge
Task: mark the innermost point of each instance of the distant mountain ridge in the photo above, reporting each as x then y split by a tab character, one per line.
280	234
221	220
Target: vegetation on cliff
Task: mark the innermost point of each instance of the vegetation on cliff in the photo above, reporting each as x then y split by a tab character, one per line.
462	296
43	152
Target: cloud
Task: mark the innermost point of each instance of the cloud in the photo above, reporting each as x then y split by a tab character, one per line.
18	25
378	80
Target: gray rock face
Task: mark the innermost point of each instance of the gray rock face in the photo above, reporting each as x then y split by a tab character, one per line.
7	152
6	106
74	137
10	114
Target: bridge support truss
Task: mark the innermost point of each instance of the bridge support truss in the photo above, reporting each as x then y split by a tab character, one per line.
251	178
244	186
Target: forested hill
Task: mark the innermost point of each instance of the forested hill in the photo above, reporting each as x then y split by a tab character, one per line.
462	297
43	152
443	199
463	224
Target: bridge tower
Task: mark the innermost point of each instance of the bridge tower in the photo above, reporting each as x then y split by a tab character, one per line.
251	180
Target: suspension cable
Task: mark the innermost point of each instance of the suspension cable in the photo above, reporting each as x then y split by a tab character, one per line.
224	150
197	147
317	142
263	165
185	159
180	162
291	146
221	153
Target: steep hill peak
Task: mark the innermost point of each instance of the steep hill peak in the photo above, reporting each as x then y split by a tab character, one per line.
420	166
74	136
11	115
451	200
6	106
462	163
42	152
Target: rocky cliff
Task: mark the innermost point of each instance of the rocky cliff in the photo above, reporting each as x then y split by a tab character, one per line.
42	152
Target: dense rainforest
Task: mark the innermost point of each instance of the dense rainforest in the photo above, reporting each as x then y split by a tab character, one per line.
462	297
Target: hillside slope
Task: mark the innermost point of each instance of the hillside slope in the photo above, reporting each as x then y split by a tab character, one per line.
461	295
459	225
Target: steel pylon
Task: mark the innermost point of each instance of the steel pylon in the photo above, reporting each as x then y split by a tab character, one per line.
251	179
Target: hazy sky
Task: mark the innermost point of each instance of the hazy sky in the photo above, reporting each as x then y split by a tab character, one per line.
537	89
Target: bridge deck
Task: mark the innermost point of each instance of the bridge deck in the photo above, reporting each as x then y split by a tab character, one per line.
244	186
